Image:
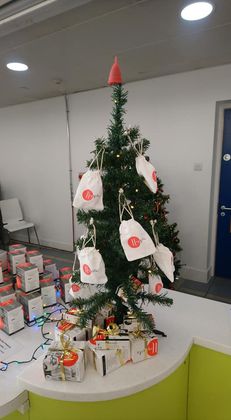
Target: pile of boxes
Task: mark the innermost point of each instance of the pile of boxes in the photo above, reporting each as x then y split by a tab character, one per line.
28	284
107	349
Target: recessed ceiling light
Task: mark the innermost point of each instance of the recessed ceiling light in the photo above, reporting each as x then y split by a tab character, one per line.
17	66
197	11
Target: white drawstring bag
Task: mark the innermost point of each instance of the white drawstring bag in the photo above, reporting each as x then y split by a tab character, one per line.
147	171
143	167
92	268
155	284
134	239
89	194
163	257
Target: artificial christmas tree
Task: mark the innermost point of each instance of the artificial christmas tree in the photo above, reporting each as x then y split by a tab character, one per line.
126	228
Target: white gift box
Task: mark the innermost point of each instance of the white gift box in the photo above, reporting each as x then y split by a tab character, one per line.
50	266
135	240
11	316
27	278
164	259
18	247
32	305
148	172
143	347
92	268
106	361
155	284
70	331
35	257
48	290
89	194
72	366
15	258
3	259
7	295
110	342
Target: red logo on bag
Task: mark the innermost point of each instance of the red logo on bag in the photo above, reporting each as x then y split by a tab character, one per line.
154	177
87	195
75	288
134	242
158	287
152	347
86	269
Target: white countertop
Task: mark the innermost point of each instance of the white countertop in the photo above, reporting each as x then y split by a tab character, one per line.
190	320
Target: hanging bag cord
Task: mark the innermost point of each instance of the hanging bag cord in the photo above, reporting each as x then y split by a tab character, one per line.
154	233
86	241
140	144
124	205
96	158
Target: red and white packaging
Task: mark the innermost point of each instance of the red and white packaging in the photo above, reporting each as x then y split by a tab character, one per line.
89	194
106	361
48	290
35	257
11	316
7	284
65	270
135	241
50	265
110	342
15	258
27	278
143	347
65	287
32	305
92	267
7	295
3	259
147	171
155	284
18	247
70	331
1	275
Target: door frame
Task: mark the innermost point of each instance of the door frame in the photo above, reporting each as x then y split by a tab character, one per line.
215	182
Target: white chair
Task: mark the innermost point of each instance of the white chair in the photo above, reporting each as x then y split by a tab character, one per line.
12	218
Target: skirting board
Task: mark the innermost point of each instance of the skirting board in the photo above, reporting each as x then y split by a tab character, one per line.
192	273
58	245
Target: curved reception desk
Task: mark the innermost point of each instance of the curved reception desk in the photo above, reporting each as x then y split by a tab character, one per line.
189	379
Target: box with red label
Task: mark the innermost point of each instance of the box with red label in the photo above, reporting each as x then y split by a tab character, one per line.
32	305
70	331
7	284
72	316
50	265
11	316
7	295
15	258
18	247
105	361
48	289
1	275
27	278
64	364
35	257
143	347
3	259
105	341
65	270
65	287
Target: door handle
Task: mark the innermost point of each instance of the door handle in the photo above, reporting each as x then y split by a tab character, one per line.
225	208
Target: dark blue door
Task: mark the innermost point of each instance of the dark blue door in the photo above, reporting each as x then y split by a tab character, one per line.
223	245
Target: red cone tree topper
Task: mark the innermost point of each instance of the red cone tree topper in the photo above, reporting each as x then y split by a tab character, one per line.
115	74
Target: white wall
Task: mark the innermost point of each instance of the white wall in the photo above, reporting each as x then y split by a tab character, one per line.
177	114
34	167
